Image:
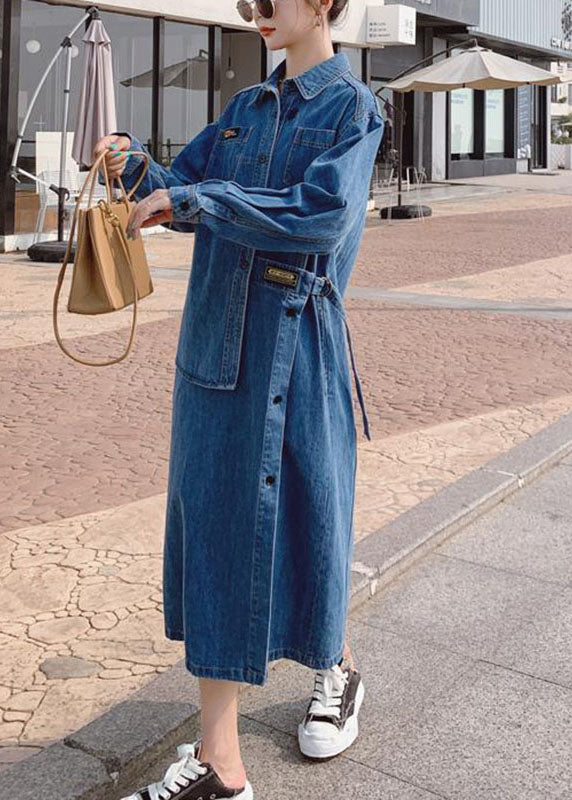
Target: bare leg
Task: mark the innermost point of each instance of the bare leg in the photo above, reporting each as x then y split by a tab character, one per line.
219	735
348	656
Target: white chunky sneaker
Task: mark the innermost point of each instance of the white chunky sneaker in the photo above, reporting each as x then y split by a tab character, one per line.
190	779
330	724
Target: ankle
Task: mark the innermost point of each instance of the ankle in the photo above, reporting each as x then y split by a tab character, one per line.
348	660
228	765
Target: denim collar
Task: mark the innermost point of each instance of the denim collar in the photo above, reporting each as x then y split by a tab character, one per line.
312	81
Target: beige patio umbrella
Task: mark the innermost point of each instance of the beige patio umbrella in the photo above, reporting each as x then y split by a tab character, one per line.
474	68
96	112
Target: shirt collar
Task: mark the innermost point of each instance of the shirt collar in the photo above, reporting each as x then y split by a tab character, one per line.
312	81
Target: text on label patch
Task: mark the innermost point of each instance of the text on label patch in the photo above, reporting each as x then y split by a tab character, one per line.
279	275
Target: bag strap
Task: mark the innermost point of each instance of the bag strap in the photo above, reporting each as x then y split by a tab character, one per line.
91	176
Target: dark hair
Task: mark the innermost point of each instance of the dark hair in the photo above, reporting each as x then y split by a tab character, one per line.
337	7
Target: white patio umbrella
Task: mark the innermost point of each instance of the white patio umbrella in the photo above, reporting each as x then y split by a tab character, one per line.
96	112
474	68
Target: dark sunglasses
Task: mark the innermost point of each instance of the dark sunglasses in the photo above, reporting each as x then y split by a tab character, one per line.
265	8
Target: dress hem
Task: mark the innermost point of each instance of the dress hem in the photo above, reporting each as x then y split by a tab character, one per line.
254	676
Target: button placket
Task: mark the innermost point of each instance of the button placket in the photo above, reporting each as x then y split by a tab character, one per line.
269	472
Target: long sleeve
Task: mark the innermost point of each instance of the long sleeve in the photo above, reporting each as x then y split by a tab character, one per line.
188	166
310	216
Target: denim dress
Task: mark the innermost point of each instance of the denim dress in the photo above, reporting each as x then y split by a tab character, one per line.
260	496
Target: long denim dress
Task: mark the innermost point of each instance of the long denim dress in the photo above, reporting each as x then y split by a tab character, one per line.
259	522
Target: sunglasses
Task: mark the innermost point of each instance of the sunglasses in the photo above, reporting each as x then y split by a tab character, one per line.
265	8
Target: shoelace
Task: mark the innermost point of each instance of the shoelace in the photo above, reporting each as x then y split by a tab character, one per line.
329	687
180	774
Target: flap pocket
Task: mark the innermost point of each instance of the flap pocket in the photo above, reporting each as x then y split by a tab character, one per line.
306	145
228	149
212	327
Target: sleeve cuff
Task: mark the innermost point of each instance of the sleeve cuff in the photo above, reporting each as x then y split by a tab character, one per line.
184	203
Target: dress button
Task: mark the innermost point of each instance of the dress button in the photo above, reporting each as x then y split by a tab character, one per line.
270	479
290	312
185	205
277	399
263	158
292	113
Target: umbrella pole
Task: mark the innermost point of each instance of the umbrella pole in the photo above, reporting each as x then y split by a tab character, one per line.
47	250
61	188
401	211
400	115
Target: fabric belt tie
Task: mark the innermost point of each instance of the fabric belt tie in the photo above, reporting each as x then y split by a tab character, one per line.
322	285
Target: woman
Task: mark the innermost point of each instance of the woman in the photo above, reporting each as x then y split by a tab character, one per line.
259	526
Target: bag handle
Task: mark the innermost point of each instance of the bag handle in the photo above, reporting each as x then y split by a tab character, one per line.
91	176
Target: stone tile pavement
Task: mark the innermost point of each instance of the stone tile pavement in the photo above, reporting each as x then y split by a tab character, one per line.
466	658
83	490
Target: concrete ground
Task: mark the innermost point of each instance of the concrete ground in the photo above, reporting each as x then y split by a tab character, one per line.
462	331
466	660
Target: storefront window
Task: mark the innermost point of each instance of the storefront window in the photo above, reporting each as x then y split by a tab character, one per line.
383	96
185	86
462	123
1	29
354	56
495	125
132	49
43	27
386	157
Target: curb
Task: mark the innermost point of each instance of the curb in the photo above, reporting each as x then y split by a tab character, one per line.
105	759
385	554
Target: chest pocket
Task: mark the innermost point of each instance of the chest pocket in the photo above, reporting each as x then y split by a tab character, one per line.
306	145
227	151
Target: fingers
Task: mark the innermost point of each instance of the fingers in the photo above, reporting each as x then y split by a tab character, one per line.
115	162
113	143
152	210
103	144
158	218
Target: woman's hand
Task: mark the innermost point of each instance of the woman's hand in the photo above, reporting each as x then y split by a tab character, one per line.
116	157
154	209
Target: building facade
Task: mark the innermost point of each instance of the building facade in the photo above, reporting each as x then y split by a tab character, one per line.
177	64
467	133
175	67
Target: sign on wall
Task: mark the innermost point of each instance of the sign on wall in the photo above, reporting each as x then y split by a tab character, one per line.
564	42
391	25
466	12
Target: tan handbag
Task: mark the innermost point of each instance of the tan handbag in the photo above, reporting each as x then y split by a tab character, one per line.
109	270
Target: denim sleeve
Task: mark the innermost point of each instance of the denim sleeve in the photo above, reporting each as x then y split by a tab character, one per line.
311	216
188	166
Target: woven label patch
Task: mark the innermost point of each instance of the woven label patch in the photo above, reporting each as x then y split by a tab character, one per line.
229	133
278	275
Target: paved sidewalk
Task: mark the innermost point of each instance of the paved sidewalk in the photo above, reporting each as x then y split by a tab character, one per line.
467	662
466	657
462	330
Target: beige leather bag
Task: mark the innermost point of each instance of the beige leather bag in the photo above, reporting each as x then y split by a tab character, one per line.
109	270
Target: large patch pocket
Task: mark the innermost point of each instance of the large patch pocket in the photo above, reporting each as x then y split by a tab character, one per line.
227	151
306	145
212	326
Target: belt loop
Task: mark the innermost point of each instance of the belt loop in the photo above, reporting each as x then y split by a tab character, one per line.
328	287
